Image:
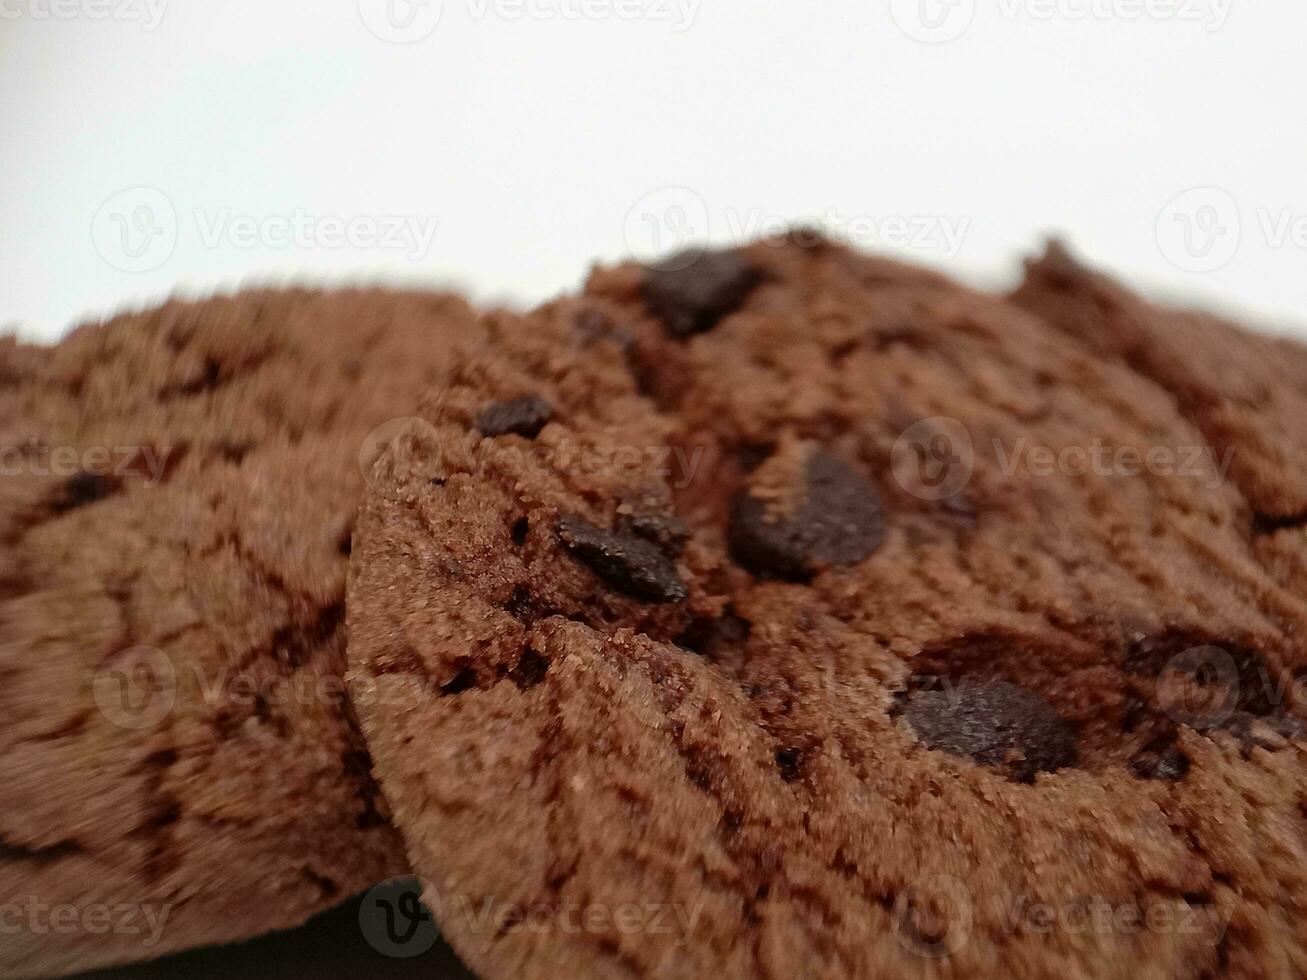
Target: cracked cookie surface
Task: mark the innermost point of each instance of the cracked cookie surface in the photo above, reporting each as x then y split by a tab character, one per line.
986	716
176	517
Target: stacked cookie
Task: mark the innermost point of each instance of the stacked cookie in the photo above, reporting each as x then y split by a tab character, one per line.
181	766
778	612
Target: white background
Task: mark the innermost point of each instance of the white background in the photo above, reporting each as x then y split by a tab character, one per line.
154	145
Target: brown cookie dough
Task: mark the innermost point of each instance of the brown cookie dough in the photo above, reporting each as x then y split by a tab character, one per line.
1244	391
839	621
179	765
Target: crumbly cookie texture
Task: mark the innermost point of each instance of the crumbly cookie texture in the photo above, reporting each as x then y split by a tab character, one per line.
180	766
840	621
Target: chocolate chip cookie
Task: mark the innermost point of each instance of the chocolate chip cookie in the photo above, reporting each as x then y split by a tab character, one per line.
826	618
180	765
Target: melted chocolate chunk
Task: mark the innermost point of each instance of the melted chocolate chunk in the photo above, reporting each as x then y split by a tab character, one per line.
667	531
85	488
530	669
996	724
838	521
524	415
1166	762
625	561
692	299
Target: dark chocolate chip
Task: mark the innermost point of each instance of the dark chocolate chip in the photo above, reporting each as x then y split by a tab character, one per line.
690	296
524	415
996	724
520	604
625	561
790	763
85	488
667	531
1166	762
520	529
529	670
464	679
838	521
1134	711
